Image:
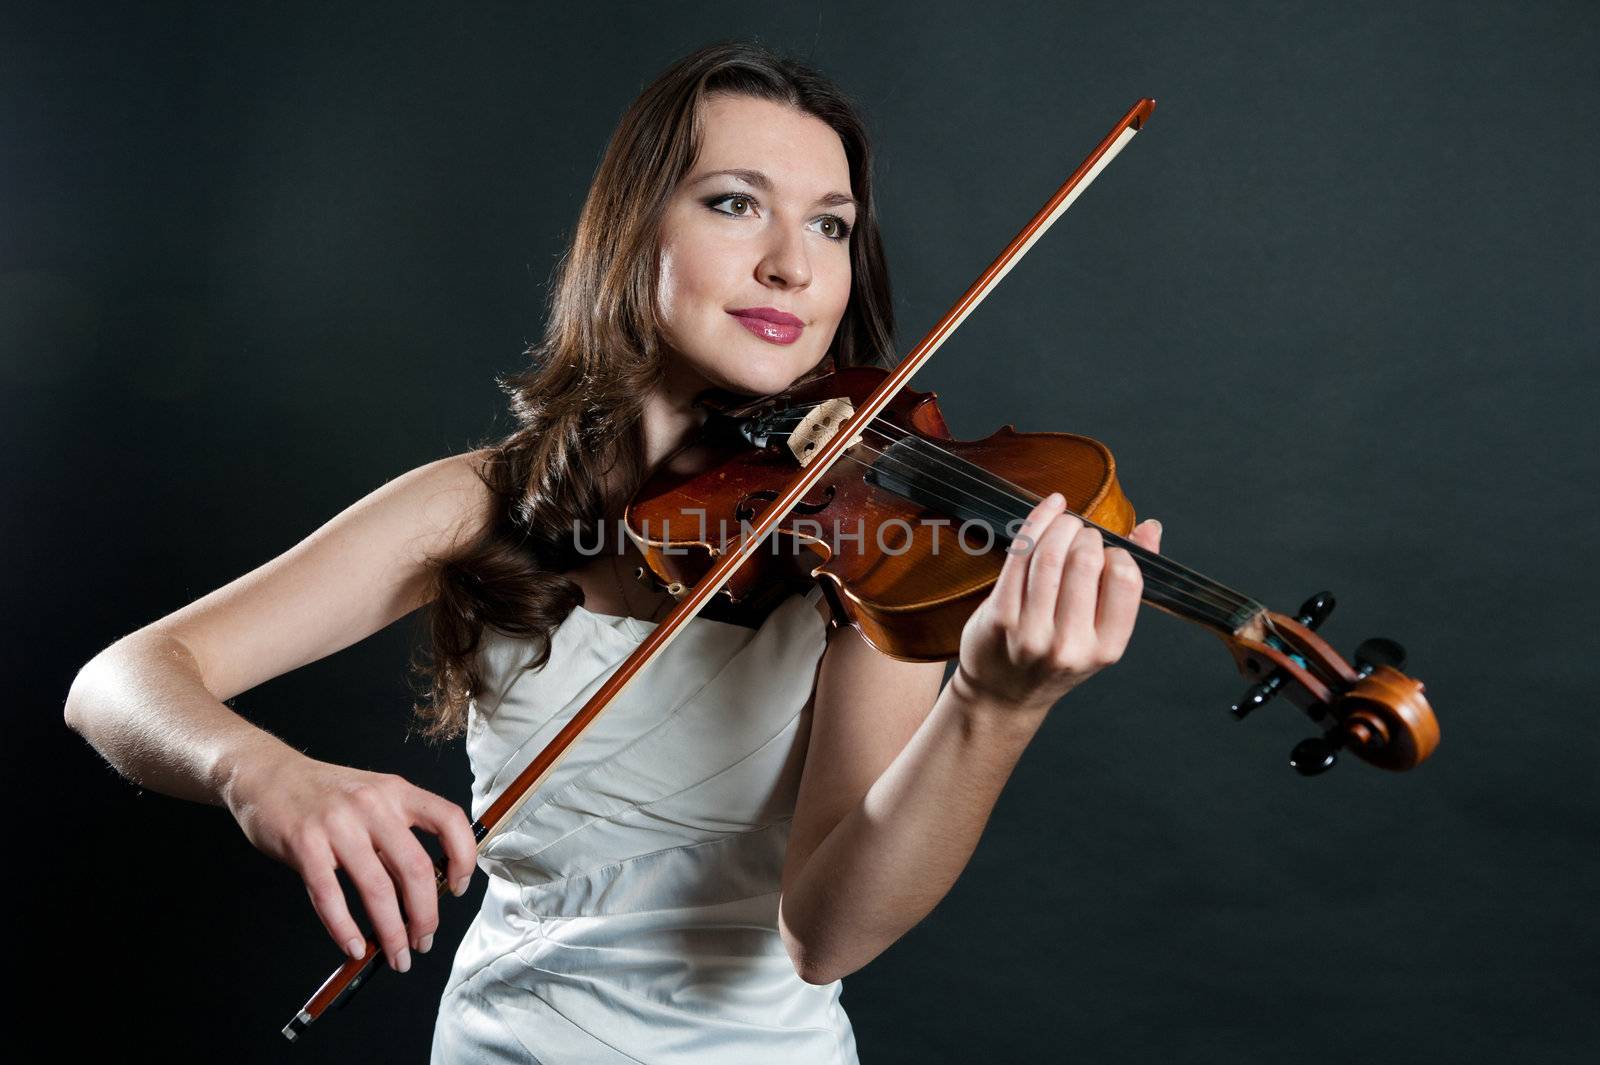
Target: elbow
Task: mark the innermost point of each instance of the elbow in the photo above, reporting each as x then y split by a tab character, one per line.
72	710
811	971
80	696
821	979
809	963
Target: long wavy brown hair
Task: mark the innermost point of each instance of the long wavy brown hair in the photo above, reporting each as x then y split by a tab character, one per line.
577	405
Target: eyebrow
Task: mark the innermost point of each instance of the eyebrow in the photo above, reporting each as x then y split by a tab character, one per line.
761	181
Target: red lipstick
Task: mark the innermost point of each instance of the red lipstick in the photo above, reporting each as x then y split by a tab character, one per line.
770	324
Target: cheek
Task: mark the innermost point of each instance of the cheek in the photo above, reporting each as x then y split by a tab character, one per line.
688	277
841	293
667	286
680	286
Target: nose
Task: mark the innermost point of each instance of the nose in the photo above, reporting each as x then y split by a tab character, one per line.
785	262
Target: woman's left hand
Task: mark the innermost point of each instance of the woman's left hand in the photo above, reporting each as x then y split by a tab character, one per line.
1062	610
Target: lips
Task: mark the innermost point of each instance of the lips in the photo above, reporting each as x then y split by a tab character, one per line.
770	324
769	314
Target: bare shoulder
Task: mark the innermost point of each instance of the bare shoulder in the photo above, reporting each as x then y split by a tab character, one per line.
448	502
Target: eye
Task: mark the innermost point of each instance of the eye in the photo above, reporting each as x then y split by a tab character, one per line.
740	205
747	203
838	228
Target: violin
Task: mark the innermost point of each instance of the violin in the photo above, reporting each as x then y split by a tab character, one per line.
875	459
908	533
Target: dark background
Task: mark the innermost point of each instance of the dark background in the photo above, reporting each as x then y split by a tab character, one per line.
1334	311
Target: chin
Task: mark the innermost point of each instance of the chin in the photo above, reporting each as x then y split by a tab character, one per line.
763	379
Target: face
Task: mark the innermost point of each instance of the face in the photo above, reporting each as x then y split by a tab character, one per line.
770	240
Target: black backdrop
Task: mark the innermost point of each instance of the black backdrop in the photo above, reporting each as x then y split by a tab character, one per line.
1333	311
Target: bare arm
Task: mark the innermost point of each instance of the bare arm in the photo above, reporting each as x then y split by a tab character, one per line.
144	705
901	777
153	702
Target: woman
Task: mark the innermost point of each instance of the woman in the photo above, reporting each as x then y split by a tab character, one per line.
766	809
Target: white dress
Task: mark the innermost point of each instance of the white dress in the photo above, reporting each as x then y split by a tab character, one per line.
632	907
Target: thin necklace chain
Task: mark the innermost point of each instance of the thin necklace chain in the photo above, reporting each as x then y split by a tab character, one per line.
627	607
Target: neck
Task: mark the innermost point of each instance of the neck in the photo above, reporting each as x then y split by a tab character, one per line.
669	417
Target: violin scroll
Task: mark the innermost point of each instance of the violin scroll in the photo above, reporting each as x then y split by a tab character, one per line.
1371	708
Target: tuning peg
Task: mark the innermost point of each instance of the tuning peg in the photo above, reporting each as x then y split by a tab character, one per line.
1316	755
1256	695
1314	611
1379	652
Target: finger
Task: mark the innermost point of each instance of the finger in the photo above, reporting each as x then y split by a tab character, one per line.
1121	585
316	865
1038	622
411	868
1147	534
353	849
449	822
1080	588
1014	571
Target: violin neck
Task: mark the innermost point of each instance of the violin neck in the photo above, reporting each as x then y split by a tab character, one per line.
1186	594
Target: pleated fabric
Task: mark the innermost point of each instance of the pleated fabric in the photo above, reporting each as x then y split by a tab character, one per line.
632	907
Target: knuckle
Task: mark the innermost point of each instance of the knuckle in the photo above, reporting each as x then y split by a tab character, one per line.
1085	561
1052	555
1125	572
302	842
387	924
1028	649
321	892
1067	658
365	795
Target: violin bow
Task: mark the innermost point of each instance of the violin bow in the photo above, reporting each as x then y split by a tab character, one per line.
338	988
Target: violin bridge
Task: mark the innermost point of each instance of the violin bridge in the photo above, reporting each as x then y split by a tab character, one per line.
818	427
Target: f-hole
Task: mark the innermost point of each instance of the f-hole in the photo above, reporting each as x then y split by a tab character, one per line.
746	509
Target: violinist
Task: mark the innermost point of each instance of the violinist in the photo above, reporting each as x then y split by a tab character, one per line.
772	805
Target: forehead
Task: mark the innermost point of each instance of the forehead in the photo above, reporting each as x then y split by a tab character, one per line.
800	153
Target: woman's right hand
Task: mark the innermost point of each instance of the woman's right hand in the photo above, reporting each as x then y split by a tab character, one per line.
316	817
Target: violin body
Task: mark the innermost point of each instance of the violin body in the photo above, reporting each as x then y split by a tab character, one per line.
884	553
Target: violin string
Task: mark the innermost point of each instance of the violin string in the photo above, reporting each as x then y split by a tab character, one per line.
1180	575
1199	604
1029	499
1177	575
1171	592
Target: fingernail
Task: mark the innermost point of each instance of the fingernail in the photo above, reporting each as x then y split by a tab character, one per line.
459	888
402	961
426	944
356	947
1156	523
1055	497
